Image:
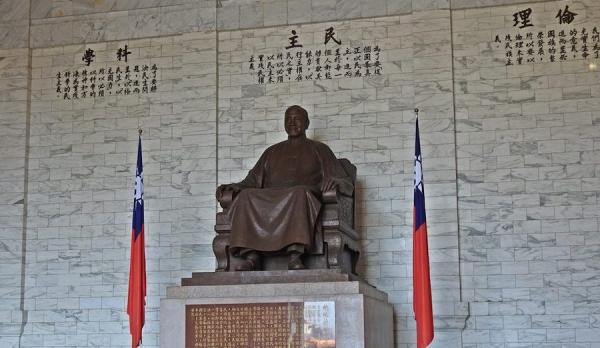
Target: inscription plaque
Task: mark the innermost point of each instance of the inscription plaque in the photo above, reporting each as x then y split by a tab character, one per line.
261	325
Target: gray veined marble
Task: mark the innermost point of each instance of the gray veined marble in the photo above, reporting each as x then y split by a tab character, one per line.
14	34
13	10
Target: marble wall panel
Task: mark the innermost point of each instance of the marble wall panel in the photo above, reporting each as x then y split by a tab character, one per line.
14	77
525	135
14	24
369	120
82	159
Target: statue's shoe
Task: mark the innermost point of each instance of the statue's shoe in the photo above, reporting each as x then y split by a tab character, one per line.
295	263
246	265
251	262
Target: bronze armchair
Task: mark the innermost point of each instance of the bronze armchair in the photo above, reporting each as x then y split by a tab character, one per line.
336	245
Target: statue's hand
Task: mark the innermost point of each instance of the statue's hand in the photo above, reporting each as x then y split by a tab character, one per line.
337	185
224	188
329	184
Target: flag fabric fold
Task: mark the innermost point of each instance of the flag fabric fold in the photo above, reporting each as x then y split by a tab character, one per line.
136	299
421	283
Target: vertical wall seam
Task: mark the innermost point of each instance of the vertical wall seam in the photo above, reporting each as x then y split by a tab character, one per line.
24	317
460	285
455	151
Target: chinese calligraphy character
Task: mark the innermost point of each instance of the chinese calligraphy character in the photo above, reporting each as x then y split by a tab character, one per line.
293	41
522	18
123	53
330	35
58	84
565	16
88	56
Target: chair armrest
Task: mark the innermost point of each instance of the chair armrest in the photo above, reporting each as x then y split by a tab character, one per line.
226	199
331	196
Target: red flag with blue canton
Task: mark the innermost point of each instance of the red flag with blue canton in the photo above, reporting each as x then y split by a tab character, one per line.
136	299
421	283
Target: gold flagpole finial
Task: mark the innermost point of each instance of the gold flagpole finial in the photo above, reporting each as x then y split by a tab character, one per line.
140	131
417	111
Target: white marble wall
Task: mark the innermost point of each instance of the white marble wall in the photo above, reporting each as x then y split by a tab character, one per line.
369	120
528	174
82	160
433	96
56	23
14	24
13	127
510	159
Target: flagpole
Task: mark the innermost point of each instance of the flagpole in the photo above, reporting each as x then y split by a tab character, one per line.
422	304
136	295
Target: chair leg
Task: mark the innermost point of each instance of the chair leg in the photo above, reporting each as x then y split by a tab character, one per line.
220	248
335	247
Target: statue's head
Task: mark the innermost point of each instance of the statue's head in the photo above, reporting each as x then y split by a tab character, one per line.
296	121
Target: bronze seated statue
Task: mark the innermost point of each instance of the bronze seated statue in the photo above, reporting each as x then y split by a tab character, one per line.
294	209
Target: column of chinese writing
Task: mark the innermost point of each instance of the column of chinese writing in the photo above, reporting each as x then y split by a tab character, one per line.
551	45
84	84
270	67
128	81
75	83
347	61
271	339
529	48
519	48
118	82
279	68
101	82
596	43
67	85
584	43
199	326
270	322
328	62
58	83
153	86
508	47
562	45
213	328
296	326
259	331
573	42
136	81
110	80
540	45
298	66
325	315
376	61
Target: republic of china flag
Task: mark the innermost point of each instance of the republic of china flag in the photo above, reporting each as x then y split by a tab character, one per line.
421	283
136	299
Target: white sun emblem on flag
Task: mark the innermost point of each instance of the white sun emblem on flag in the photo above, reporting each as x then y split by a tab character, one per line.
418	174
139	188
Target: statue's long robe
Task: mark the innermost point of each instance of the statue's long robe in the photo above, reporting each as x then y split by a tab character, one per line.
280	198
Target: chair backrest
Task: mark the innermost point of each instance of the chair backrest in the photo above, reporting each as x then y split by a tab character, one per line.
349	168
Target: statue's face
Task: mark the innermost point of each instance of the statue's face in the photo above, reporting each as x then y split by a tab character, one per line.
295	123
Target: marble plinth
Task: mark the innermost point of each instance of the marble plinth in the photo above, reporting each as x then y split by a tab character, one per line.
363	316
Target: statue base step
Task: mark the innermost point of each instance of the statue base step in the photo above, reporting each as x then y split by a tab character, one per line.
267	277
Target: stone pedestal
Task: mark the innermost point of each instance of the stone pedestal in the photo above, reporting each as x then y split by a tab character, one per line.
363	316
